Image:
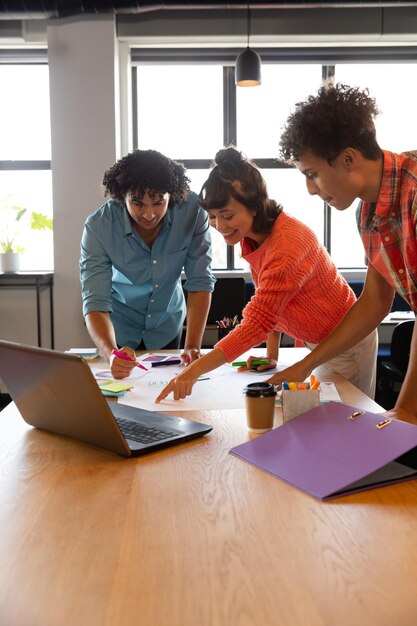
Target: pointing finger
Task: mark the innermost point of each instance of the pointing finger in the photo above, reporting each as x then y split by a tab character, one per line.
165	392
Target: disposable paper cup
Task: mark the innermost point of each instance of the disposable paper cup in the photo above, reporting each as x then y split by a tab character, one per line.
260	406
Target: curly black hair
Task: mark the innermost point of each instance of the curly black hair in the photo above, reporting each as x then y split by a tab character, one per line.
146	171
233	175
338	117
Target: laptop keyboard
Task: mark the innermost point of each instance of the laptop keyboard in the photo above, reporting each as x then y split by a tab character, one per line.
142	434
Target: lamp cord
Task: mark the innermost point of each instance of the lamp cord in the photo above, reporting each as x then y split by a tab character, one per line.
248	23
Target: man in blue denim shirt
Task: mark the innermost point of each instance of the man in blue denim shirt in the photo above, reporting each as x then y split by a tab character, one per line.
133	251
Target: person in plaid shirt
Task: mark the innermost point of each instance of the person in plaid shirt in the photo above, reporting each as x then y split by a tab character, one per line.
331	139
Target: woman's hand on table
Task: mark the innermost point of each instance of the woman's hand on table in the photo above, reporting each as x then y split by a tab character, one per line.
181	386
270	365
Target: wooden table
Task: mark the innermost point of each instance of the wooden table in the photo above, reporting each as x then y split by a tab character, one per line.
192	536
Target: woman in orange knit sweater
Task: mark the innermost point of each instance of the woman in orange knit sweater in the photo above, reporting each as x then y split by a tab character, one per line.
298	288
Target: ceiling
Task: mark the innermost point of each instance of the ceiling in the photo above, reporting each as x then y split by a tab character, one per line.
42	9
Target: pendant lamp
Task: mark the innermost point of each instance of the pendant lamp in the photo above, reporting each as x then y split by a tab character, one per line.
248	64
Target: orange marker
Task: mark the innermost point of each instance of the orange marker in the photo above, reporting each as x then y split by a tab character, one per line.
315	385
302	386
312	379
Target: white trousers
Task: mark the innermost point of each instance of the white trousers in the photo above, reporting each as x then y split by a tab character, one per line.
358	364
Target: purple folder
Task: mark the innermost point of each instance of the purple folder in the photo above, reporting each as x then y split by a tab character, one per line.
331	451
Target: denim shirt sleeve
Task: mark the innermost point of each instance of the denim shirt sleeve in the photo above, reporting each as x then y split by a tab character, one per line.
197	265
95	273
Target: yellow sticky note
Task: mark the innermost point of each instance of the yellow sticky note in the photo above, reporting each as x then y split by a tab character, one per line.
116	387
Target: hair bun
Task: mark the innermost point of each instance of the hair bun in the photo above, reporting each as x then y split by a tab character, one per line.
228	156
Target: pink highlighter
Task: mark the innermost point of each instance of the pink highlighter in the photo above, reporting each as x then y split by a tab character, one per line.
123	356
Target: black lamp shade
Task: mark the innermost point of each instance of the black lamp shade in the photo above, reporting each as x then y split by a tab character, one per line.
248	68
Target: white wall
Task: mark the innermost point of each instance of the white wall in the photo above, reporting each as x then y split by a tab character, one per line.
84	90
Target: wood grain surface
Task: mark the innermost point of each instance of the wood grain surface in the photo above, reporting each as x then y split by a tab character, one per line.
192	536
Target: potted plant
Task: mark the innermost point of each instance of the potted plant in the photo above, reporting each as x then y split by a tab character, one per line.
15	222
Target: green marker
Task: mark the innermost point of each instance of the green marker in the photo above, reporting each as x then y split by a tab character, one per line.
254	363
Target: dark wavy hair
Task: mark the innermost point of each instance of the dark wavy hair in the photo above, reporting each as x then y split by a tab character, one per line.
234	176
145	171
338	117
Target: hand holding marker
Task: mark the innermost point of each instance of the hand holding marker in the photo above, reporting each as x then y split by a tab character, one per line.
124	356
254	363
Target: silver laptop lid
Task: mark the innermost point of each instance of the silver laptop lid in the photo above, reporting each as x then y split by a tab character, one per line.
57	392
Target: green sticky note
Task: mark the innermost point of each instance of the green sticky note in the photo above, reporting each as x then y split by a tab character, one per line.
113	394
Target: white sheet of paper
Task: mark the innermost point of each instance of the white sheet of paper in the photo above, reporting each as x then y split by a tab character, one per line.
329	393
222	389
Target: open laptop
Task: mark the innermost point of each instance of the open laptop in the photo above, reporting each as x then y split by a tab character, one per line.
57	391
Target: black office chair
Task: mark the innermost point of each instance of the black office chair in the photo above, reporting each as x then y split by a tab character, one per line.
392	372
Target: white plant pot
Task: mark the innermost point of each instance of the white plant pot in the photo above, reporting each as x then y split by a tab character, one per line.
10	261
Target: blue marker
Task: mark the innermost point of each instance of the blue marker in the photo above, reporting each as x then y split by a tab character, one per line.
167	362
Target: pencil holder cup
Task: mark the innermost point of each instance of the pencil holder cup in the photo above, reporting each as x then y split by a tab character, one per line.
296	402
260	406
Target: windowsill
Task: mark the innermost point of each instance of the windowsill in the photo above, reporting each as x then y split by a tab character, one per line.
353	274
232	274
348	274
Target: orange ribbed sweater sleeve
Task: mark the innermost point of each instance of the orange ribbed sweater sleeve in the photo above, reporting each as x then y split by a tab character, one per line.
298	290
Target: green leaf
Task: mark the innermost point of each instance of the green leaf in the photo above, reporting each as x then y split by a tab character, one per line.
20	213
9	247
6	246
39	221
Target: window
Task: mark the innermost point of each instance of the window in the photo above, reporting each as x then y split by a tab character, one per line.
186	102
25	149
395	94
186	106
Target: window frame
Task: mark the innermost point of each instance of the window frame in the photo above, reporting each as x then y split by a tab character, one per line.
328	57
24	56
